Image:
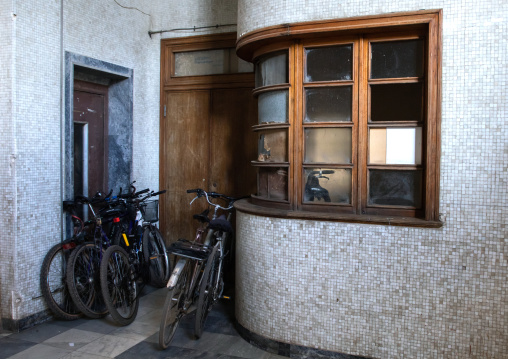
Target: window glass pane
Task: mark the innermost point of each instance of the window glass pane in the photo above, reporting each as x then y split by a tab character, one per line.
327	185
397	59
332	63
273	183
395	146
272	146
272	69
395	188
273	107
209	62
328	145
396	102
328	104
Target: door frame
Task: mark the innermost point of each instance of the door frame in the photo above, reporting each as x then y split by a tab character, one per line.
120	91
170	83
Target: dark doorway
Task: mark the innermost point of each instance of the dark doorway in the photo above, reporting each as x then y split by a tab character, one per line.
90	114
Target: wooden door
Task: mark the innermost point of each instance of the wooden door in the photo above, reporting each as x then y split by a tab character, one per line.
90	138
206	142
184	158
207	110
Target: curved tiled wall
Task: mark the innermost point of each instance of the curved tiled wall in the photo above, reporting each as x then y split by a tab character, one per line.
393	292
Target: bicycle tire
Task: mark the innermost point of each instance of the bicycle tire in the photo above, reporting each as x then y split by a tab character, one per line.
53	283
207	294
155	253
119	287
173	309
83	280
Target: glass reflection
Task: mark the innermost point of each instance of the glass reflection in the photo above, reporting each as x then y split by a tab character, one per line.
328	104
272	146
209	62
395	188
334	63
273	107
272	69
328	145
397	59
395	146
273	183
327	185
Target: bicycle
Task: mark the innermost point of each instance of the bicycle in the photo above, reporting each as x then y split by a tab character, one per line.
123	266
83	267
53	270
196	282
313	189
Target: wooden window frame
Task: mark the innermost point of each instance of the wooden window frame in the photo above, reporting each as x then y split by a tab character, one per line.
198	43
295	37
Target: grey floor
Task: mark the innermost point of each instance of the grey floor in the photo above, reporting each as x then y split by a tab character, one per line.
102	338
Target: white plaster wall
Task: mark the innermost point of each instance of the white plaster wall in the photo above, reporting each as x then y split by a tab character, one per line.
31	112
393	292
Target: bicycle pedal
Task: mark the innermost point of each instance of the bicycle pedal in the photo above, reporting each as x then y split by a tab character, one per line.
226	297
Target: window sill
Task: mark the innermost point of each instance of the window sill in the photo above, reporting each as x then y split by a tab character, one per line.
246	206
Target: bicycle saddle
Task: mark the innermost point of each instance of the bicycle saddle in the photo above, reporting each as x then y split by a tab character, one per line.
221	224
202	217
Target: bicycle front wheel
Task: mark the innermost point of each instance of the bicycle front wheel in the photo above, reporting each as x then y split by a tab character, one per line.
83	280
53	284
118	284
208	289
174	309
154	251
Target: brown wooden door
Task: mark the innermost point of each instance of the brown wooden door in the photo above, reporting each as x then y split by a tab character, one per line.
206	142
184	158
90	138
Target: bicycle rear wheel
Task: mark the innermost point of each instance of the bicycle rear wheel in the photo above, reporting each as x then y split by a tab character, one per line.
83	280
207	290
154	251
118	284
53	285
174	309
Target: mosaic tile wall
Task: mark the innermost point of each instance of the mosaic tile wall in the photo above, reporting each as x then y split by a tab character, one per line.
394	292
7	184
31	113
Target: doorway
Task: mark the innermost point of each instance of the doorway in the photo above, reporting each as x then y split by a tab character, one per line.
114	83
90	114
207	111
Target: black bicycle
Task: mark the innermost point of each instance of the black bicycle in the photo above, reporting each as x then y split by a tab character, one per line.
83	267
53	271
142	258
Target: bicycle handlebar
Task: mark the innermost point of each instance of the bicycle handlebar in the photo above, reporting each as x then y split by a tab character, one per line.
133	194
158	193
201	192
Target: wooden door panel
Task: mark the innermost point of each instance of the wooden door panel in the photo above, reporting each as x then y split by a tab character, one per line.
184	160
233	144
90	108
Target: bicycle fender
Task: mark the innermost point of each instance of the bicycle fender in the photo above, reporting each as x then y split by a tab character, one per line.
176	273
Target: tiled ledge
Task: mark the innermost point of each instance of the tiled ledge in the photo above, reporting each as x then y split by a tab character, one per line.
289	350
246	206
